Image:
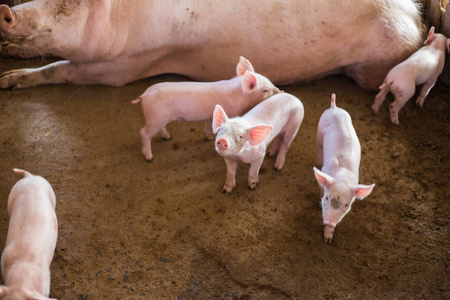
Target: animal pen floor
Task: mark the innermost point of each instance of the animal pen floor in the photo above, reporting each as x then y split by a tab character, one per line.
129	229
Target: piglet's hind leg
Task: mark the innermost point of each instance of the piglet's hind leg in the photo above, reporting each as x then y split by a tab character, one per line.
402	95
424	91
253	178
147	133
208	130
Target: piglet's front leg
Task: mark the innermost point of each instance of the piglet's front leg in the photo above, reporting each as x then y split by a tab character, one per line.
230	181
208	130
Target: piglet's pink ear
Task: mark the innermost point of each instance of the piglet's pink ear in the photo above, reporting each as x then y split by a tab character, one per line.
243	66
430	36
219	117
258	134
249	82
361	191
323	179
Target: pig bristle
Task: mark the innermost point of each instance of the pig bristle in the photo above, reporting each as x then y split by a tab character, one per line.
22	172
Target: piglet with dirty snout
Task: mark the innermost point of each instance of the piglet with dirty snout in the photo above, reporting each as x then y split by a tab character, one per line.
422	67
339	151
165	102
31	240
246	138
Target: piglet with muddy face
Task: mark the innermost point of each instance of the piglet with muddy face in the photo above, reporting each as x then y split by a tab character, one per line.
246	138
421	68
339	151
31	240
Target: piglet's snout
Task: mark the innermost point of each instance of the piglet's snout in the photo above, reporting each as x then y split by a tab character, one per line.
6	18
222	144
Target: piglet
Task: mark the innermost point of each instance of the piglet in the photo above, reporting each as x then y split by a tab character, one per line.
246	138
194	101
422	67
31	240
339	152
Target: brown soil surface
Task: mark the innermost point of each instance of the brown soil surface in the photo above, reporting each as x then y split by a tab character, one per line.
129	229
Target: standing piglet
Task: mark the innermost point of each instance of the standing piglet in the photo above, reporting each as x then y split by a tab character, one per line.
31	241
422	67
339	152
246	138
194	101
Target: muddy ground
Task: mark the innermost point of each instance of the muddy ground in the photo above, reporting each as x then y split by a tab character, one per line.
129	229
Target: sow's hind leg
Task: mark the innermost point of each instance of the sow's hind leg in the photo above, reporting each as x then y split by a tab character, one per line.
66	72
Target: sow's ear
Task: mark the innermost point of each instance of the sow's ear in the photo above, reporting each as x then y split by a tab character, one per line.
448	45
249	82
323	179
258	134
430	37
219	117
243	66
361	191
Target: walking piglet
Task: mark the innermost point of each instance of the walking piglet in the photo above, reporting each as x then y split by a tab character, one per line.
31	240
246	138
339	151
194	101
422	67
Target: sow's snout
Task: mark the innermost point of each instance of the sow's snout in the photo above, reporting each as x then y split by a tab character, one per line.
6	18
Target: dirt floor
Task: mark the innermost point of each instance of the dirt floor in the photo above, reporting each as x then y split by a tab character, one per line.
129	229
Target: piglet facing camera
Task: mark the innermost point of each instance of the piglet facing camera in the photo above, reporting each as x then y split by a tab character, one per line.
246	138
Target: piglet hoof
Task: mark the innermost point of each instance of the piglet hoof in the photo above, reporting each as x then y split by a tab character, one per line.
148	158
252	185
375	109
328	232
395	121
165	134
227	189
278	165
271	153
420	102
